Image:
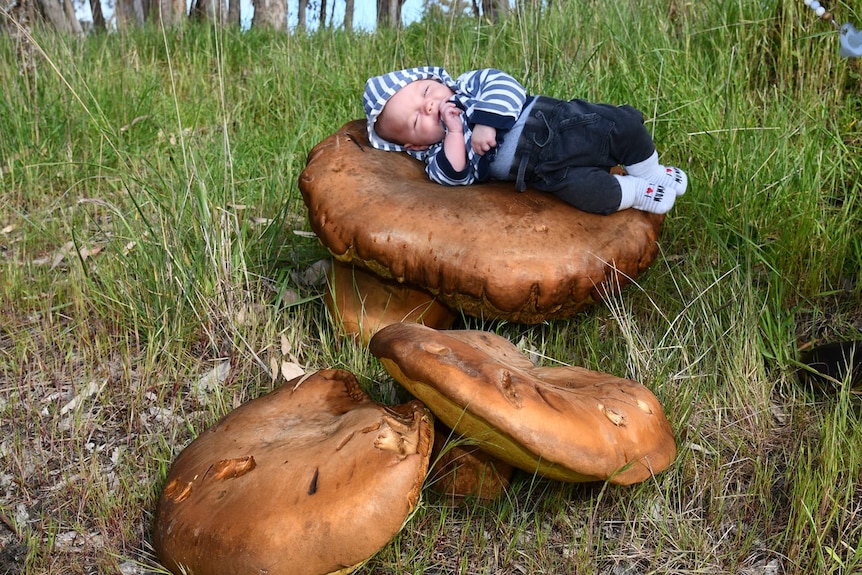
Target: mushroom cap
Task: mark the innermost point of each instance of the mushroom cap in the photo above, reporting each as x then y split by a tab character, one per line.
486	250
312	478
361	302
565	423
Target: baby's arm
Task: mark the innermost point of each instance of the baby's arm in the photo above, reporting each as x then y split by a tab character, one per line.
453	141
446	162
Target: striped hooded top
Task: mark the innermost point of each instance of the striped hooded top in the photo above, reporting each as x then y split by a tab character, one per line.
488	97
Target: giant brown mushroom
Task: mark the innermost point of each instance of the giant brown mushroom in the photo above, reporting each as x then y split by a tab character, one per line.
312	478
360	303
485	250
565	423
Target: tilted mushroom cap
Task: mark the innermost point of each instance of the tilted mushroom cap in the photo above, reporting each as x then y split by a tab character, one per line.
312	478
362	303
565	423
486	249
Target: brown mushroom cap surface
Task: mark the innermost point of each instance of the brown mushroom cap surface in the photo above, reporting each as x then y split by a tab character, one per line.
361	302
565	423
312	478
486	249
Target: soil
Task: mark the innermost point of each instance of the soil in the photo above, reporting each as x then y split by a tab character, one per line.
13	551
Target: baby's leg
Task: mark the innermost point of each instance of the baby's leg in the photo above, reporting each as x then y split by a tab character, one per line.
597	190
631	145
587	188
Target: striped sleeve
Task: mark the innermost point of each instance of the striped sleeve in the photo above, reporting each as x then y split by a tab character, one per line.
491	97
440	171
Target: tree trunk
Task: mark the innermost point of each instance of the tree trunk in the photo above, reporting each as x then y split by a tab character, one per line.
389	13
214	11
180	10
129	13
124	14
234	16
22	14
98	15
168	13
56	14
72	18
53	13
322	14
270	14
349	7
493	10
302	15
394	13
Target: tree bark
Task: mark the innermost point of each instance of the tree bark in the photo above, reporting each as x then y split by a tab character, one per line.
168	12
98	15
22	15
72	18
57	15
349	7
214	11
492	10
129	13
53	13
302	15
180	10
389	13
234	16
394	13
123	14
270	14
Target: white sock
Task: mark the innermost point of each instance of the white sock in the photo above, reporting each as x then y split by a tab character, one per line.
651	170
642	195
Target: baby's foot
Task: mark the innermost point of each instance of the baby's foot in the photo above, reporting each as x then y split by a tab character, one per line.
678	178
654	198
669	176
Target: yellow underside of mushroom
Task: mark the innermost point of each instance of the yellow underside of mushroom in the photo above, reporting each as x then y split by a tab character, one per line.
491	440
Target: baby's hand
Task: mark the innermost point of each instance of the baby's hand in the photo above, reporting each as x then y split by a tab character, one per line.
450	114
484	138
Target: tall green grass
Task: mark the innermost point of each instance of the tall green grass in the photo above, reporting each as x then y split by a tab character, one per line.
147	238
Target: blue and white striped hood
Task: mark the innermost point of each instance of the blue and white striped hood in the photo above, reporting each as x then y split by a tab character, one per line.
379	89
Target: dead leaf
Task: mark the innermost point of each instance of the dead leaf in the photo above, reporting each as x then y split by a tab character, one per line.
290	370
211	380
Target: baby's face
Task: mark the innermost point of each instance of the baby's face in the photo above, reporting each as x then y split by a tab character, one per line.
411	117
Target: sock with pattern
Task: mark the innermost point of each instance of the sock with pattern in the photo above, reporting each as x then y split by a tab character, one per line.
646	196
651	170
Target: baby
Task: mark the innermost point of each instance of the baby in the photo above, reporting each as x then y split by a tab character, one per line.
484	126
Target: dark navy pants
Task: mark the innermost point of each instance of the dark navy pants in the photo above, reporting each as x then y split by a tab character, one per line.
568	148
